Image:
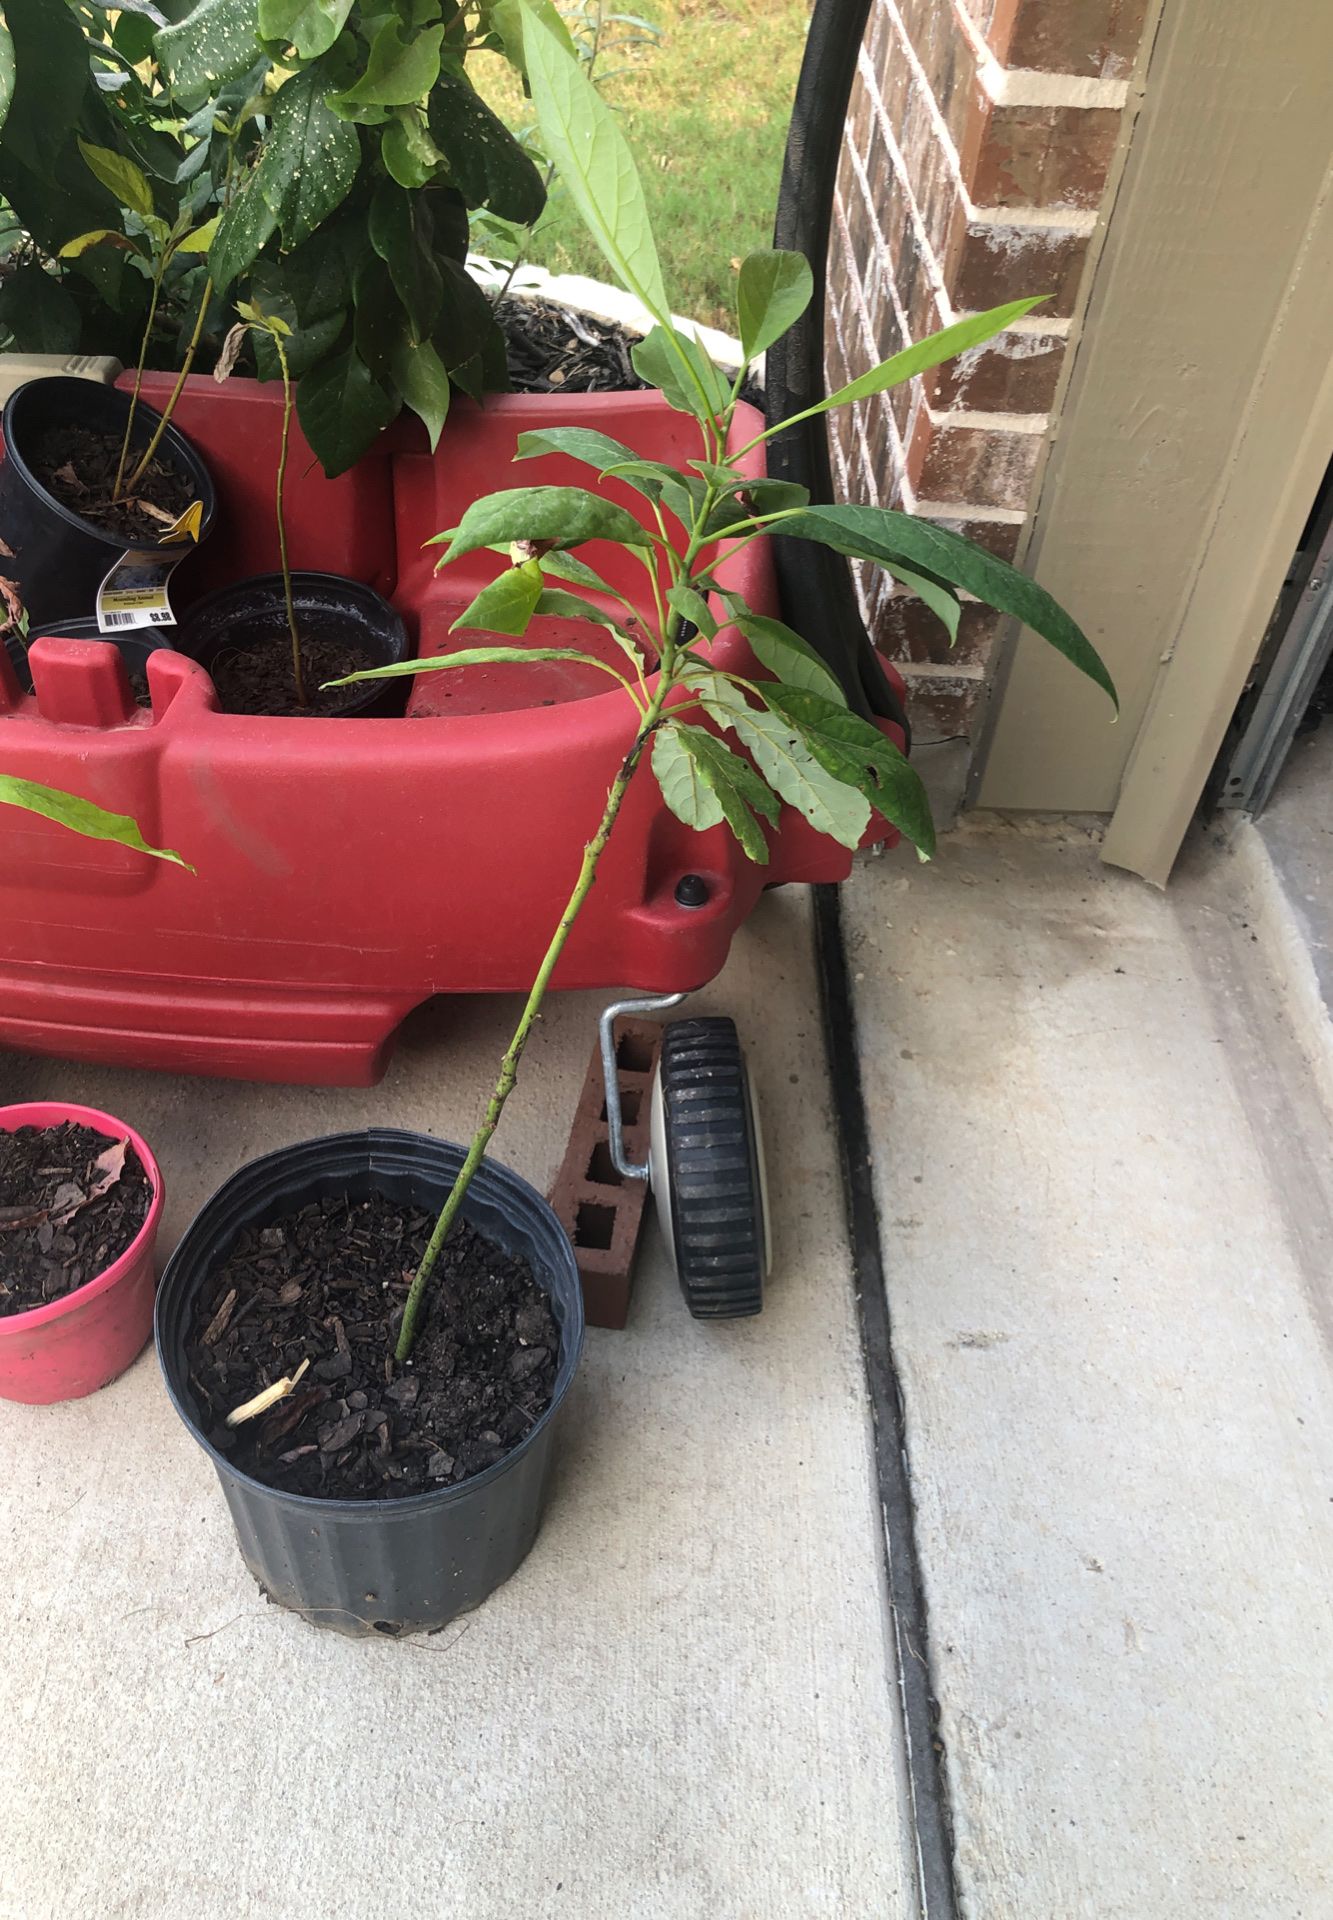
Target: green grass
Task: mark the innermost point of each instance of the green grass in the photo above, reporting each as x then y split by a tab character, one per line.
706	114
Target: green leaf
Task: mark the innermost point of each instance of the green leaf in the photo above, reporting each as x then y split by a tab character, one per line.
683	786
696	388
311	26
568	566
858	754
693	607
786	655
380	327
407	150
50	86
788	765
773	291
243	231
310	158
477	657
341	409
942	600
399	230
201	239
565	516
424	385
506	605
80	816
487	164
217	41
890	538
507	18
733	783
125	182
6	71
399	71
578	443
927	353
582	136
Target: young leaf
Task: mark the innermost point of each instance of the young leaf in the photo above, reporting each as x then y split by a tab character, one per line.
698	389
888	538
790	768
126	183
556	604
398	71
772	292
477	657
682	785
201	239
927	353
583	138
579	443
424	385
568	566
786	655
81	816
562	516
311	26
506	605
942	600
409	154
858	754
693	607
734	785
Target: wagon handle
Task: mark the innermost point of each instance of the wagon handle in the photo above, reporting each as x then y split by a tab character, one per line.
615	1123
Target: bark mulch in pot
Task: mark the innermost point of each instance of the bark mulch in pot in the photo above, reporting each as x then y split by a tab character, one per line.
326	1285
553	349
258	678
77	466
71	1202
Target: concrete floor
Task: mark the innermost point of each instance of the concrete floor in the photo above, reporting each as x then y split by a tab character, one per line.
681	1705
1106	1198
1103	1176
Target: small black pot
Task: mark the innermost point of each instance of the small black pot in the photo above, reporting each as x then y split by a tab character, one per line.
253	610
133	648
60	560
384	1566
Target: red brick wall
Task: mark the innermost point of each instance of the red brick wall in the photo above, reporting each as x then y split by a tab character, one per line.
979	143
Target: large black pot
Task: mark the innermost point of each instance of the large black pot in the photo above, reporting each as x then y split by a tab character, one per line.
255	610
386	1566
60	560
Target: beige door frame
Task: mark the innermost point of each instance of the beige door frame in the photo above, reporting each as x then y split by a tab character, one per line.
1198	424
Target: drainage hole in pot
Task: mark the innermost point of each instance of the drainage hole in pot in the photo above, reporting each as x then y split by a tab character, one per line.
594	1226
326	1284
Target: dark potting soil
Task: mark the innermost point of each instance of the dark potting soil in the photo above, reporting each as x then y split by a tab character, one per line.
327	1284
258	678
71	1201
554	350
77	465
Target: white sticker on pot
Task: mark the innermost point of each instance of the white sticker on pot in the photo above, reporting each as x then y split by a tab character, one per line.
134	593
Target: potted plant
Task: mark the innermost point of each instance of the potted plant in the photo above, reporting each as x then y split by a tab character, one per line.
272	642
80	1201
255	1345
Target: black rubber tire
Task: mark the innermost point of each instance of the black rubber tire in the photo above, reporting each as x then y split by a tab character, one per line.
713	1171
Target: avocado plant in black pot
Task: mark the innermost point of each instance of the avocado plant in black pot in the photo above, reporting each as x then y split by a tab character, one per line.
274	643
371	1335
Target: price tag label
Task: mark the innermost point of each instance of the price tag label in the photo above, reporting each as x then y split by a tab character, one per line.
134	593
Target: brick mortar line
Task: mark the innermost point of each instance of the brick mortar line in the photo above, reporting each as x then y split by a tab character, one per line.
906	489
1048	219
1009	86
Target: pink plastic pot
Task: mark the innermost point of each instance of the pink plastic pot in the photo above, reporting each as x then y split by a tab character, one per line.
71	1347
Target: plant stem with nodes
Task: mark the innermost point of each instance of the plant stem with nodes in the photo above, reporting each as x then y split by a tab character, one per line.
176	391
298	674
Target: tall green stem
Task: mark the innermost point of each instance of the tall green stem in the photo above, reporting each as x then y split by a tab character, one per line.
504	1086
297	674
138	375
176	391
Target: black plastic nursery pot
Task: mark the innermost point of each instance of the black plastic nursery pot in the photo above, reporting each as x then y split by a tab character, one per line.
133	648
60	560
398	1565
253	613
